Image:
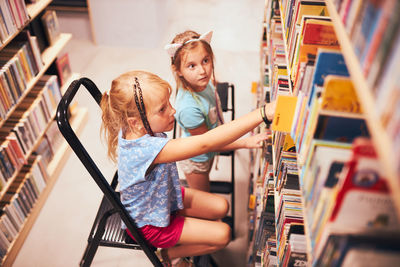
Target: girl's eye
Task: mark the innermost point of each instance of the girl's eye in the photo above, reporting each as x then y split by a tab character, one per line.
191	66
205	60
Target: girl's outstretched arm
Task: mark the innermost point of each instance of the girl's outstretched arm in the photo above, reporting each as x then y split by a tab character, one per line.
254	141
184	148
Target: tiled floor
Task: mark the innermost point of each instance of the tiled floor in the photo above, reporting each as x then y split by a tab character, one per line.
58	237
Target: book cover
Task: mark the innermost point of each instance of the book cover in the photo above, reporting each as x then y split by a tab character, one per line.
317	8
51	26
327	62
339	95
363	200
319	32
63	68
284	112
333	127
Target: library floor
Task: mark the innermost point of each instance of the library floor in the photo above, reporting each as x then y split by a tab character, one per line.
59	235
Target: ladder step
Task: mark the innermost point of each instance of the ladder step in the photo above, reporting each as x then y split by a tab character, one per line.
226	153
221	187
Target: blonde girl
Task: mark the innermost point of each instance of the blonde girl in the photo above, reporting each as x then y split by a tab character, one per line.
136	113
197	102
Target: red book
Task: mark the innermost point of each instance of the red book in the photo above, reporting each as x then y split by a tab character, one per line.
63	68
363	201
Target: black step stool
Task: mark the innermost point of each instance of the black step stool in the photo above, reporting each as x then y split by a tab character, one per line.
106	230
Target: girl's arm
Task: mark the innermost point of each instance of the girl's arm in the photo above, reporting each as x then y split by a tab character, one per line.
254	141
184	148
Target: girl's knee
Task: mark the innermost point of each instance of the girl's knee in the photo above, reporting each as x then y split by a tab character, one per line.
221	208
224	235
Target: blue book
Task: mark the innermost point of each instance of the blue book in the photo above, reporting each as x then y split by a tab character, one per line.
340	129
327	62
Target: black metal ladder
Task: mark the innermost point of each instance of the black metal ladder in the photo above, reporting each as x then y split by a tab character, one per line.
106	230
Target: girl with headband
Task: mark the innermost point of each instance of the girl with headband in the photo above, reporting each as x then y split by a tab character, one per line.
198	108
136	113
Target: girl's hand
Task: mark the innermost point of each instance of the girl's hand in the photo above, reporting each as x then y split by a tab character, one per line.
255	141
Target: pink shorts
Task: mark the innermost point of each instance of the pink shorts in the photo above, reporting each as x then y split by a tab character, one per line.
163	237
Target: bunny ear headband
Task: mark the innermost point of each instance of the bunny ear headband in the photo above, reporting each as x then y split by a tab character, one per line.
172	48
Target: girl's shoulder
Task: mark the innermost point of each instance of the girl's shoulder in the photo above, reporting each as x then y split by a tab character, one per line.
184	96
145	139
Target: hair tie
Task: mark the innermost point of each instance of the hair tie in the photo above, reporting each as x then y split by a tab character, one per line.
172	48
140	106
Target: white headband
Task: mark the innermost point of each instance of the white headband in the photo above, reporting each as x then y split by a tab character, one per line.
172	48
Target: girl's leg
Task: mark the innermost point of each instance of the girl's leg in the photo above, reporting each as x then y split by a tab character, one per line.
197	174
204	205
200	181
200	237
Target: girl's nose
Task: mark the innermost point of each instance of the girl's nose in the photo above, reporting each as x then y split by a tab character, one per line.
202	69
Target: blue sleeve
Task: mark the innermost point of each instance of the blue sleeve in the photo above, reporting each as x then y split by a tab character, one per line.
190	117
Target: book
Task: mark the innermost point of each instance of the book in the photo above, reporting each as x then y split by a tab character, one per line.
328	62
283	117
387	48
63	68
333	127
363	200
360	250
51	26
339	95
377	34
365	25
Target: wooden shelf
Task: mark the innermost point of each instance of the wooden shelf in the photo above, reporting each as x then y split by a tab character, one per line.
382	142
35	8
79	118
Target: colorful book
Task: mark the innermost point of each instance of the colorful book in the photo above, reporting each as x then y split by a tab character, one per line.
285	107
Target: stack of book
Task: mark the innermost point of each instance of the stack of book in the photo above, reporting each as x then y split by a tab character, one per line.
14	16
19	134
21	61
20	199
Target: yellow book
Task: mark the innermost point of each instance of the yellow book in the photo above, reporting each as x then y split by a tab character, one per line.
339	95
316	9
288	144
284	113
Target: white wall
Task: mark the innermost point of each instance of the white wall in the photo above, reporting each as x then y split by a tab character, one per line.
77	23
134	23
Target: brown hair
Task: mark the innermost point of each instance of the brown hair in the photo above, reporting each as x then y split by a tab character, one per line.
176	60
119	104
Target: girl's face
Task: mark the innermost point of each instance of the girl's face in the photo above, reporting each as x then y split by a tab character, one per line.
161	116
196	68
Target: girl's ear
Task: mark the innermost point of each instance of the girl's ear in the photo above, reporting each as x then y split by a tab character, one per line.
177	71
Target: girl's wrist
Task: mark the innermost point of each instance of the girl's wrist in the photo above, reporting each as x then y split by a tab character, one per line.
264	116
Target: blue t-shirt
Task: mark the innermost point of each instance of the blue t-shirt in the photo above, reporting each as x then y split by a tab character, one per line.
150	198
191	113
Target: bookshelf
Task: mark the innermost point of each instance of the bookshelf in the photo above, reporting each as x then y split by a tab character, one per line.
78	121
382	142
35	104
330	162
